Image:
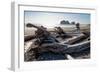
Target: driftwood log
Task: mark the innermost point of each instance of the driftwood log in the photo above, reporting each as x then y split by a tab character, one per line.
61	33
64	48
42	37
75	39
59	48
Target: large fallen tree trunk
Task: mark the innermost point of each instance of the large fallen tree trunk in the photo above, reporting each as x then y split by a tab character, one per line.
78	47
64	48
75	39
32	54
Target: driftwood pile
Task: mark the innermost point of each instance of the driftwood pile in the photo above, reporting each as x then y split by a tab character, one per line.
45	46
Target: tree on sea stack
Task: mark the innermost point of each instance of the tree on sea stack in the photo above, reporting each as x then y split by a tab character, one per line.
78	26
73	22
64	22
67	22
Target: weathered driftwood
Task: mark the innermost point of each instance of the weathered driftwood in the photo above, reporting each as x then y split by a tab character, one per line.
64	48
75	39
61	33
28	45
32	54
40	44
78	47
60	46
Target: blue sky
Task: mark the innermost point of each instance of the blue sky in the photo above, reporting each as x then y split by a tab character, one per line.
54	18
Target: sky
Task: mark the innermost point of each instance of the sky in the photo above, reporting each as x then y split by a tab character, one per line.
54	18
